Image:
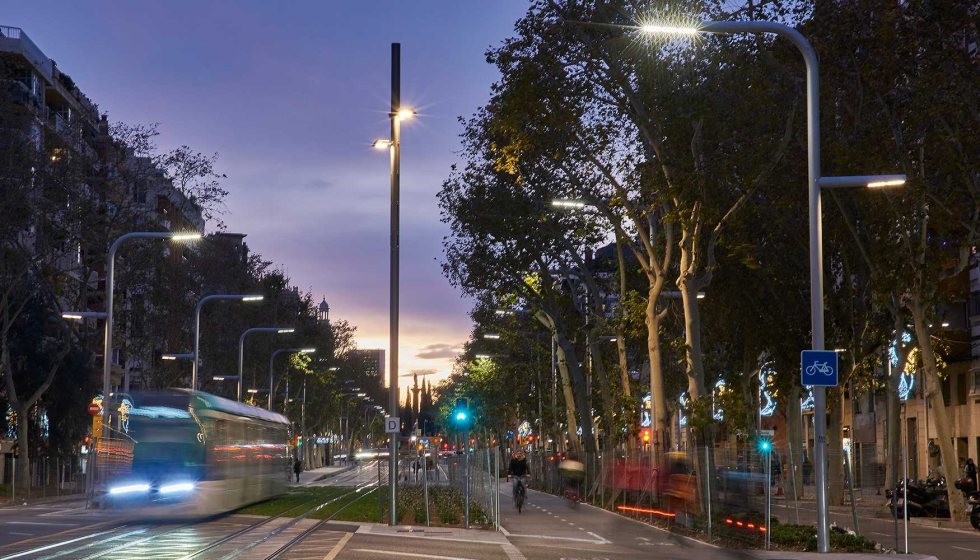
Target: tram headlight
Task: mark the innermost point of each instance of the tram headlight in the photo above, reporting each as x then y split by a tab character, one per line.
181	487
129	488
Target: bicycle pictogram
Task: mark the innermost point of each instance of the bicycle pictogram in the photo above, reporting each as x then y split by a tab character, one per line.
820	367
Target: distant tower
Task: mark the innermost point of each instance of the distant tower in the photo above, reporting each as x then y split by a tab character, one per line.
323	313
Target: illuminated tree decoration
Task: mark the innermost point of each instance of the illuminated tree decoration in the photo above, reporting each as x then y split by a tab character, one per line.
683	401
719	413
766	401
807	403
645	413
907	382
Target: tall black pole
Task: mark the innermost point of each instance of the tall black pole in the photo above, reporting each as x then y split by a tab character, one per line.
393	333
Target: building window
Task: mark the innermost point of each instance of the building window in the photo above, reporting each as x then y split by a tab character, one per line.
961	388
946	389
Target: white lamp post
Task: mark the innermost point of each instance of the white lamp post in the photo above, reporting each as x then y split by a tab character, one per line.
241	348
816	232
197	326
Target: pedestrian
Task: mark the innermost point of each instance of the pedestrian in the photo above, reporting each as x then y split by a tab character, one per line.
297	468
971	472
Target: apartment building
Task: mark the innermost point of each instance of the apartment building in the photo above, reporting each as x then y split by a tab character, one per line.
63	122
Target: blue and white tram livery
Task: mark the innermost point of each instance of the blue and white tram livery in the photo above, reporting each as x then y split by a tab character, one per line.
193	454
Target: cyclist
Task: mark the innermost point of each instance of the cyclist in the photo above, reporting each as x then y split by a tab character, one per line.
573	472
518	469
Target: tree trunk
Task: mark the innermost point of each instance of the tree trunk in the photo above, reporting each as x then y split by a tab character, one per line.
22	472
835	450
578	394
692	333
599	371
658	402
794	438
944	434
570	409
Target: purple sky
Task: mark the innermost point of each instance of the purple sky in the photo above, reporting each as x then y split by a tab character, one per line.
291	94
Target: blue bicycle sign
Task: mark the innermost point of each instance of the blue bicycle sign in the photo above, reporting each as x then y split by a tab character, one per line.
819	367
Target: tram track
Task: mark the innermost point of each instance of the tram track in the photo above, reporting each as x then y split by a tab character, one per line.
278	530
128	536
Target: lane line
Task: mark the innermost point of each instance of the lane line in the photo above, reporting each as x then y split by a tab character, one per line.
549	537
55	545
22	534
42	523
412	554
512	552
966	549
338	547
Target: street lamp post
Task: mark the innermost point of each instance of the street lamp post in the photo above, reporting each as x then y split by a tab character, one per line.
197	326
109	286
396	114
241	348
272	361
816	232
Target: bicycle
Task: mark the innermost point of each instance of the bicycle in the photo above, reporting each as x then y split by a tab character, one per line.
520	493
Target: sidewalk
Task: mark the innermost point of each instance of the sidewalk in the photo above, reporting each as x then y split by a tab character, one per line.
314	475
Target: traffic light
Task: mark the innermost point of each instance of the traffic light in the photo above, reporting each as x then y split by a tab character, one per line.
765	445
645	434
462	410
87	440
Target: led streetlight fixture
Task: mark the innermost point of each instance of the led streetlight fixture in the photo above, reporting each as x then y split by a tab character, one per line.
253	298
491	336
79	315
868	181
185	237
669	30
568	203
406	114
186	356
285	331
381	144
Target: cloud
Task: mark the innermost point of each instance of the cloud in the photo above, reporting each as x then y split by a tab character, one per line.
439	352
319	184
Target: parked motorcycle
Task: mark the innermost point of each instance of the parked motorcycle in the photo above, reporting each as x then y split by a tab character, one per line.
974	501
921	498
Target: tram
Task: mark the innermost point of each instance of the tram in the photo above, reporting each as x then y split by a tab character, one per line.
183	453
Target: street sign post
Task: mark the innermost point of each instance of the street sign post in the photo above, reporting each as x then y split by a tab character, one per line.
767	433
392	425
818	368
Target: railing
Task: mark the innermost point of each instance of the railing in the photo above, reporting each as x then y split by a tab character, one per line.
16	34
48	477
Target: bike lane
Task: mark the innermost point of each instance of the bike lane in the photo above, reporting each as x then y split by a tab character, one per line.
550	529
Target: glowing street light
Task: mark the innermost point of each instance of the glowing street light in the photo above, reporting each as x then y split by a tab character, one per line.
172	357
562	203
79	315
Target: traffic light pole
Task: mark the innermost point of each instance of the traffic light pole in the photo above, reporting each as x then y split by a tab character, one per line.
466	450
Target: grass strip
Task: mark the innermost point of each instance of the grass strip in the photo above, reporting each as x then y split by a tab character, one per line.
291	499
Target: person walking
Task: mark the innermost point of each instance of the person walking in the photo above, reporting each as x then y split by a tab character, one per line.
971	472
297	468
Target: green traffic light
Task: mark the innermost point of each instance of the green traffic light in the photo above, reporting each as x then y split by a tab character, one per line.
461	416
765	445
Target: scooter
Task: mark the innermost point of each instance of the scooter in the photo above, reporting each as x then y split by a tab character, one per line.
921	499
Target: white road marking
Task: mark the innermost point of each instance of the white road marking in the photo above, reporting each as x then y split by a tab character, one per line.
41	523
512	552
966	549
55	545
549	537
338	547
412	554
604	541
22	534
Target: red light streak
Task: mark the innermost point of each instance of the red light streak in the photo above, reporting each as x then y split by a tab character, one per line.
650	511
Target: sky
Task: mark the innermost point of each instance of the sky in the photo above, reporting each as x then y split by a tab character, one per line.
291	95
